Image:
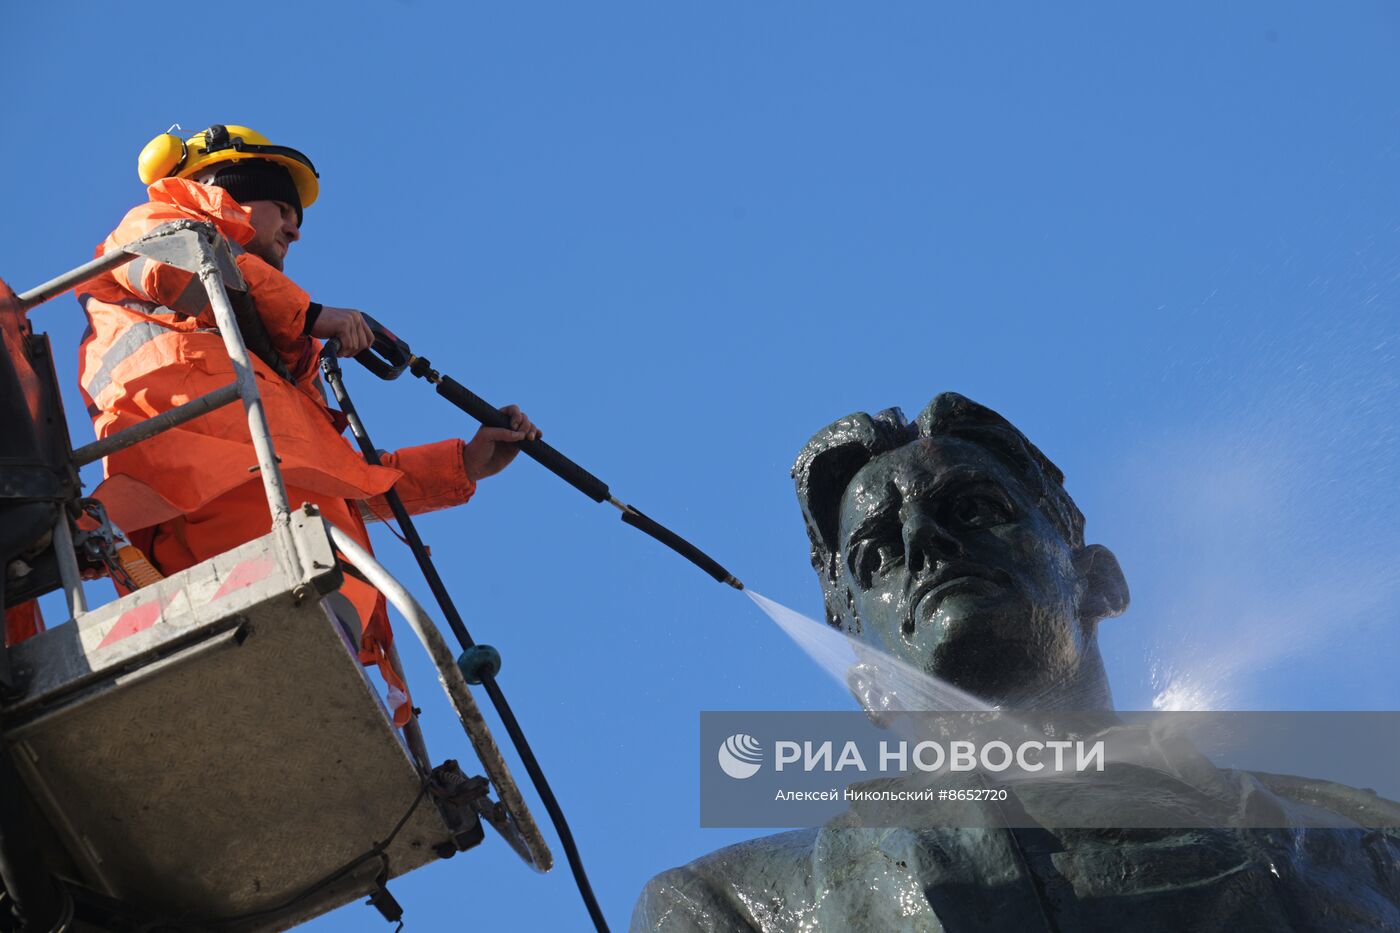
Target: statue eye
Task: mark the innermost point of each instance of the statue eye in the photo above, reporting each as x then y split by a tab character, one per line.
874	557
978	510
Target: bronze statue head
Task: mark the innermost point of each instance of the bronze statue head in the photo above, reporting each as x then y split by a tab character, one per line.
951	544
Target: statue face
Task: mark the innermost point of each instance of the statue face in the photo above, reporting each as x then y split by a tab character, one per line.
953	568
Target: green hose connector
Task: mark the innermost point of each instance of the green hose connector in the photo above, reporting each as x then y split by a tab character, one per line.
479	662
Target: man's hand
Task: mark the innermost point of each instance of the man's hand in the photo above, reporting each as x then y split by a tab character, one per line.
492	450
345	324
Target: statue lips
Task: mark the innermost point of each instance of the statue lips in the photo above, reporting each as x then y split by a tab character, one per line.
946	580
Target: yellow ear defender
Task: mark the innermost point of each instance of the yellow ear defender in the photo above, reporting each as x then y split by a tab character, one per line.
169	156
160	157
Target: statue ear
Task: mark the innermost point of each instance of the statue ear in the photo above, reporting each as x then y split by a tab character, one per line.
1105	588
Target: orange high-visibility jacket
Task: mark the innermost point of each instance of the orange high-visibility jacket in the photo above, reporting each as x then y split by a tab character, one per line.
152	344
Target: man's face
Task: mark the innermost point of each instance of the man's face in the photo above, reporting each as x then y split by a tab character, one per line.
274	231
955	570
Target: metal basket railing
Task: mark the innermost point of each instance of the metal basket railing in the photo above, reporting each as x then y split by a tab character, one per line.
197	247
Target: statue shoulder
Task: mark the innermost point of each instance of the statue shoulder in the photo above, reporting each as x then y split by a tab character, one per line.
755	885
1357	804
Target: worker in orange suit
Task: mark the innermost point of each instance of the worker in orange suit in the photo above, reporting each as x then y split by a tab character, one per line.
152	344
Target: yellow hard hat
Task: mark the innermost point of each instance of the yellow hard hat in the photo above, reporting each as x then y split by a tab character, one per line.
169	156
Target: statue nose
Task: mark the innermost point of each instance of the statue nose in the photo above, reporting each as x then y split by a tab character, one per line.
926	543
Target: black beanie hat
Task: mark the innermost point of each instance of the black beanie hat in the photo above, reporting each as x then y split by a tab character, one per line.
258	180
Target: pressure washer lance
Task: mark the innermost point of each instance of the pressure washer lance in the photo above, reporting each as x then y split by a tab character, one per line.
399	357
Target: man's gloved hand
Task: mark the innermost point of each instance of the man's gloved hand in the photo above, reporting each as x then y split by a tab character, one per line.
348	325
492	449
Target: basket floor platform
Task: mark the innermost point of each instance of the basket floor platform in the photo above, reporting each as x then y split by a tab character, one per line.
210	746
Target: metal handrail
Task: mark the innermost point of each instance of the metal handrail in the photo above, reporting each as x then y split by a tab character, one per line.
128	437
74	277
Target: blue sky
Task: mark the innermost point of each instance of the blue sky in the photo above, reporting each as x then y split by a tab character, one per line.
686	236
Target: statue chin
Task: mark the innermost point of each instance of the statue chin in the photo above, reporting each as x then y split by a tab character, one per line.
993	643
974	656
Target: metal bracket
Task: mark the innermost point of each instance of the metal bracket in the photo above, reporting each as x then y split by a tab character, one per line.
98	546
381	900
459	800
184	244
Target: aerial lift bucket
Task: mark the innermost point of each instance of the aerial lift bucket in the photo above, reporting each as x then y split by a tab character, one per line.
210	747
208	752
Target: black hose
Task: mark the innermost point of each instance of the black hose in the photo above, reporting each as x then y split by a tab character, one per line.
330	366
